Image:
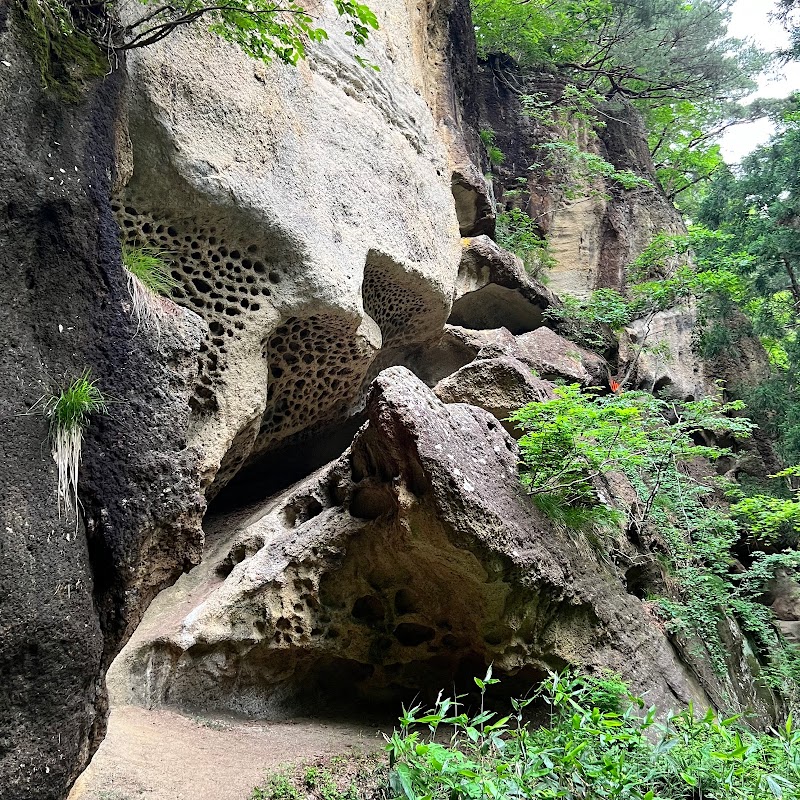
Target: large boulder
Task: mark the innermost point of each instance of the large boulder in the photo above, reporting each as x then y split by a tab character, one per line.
554	357
315	249
499	385
414	560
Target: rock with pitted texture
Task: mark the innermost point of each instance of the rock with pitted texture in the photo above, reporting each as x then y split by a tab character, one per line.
414	560
316	250
72	589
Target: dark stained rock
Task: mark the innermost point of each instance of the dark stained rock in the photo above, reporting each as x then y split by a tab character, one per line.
70	593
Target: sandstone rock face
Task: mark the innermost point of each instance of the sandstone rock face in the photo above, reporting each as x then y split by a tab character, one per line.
784	592
591	237
314	248
412	560
493	290
71	591
553	357
661	353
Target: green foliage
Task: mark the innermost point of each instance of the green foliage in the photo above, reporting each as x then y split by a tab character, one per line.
149	268
699	539
75	403
263	29
70	41
517	232
770	519
589	750
493	152
648	50
581	171
754	214
149	283
585	320
340	778
64	53
572	440
681	137
68	413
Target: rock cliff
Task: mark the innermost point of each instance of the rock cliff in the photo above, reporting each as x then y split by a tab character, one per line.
313	219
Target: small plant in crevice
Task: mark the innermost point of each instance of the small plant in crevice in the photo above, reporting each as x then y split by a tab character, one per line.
149	284
493	153
68	414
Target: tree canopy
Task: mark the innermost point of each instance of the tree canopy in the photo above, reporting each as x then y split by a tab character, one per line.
646	49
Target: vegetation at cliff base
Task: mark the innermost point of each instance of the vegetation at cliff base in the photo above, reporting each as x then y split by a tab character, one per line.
599	742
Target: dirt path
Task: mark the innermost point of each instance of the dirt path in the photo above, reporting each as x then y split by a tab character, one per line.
162	755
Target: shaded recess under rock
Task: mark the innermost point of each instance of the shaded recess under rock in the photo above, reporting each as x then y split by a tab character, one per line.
412	561
493	290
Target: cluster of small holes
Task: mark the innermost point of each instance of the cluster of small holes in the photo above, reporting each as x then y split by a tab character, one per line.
218	279
316	366
393	306
302	613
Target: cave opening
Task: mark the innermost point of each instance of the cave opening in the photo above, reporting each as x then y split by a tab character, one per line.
496	306
278	469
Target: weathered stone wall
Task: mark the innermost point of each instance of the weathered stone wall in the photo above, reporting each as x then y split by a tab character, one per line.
593	235
312	218
70	592
414	560
303	209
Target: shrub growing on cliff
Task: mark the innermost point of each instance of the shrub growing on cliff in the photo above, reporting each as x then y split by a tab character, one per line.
517	232
68	413
70	40
569	442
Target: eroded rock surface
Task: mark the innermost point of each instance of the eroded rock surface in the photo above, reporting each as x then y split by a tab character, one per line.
663	352
493	290
412	560
315	249
71	590
593	231
499	385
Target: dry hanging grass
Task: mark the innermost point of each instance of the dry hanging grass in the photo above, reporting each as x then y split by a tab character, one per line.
149	283
68	414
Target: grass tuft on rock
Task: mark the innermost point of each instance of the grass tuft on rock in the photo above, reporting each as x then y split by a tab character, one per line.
68	413
149	284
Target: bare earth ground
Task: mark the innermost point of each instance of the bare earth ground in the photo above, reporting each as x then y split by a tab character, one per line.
162	755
